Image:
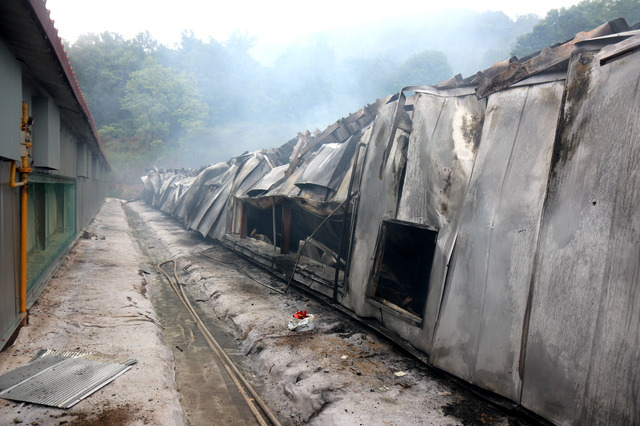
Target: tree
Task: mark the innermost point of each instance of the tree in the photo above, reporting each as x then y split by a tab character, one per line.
304	77
563	24
427	67
165	106
102	63
227	76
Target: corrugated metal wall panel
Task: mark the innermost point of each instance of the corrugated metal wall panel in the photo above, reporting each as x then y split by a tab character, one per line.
582	361
479	332
378	201
67	153
46	133
441	154
10	104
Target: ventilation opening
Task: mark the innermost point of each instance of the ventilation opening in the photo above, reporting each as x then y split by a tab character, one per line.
402	268
323	247
304	223
260	223
51	223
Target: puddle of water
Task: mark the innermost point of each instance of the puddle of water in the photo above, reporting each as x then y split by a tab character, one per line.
208	395
206	390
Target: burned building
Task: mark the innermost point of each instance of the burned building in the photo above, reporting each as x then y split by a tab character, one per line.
492	222
53	170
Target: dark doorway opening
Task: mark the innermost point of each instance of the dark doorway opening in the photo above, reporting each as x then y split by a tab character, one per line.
402	267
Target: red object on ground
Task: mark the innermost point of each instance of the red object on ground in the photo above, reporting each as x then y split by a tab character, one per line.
300	315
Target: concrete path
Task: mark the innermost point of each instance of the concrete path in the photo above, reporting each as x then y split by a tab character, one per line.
98	301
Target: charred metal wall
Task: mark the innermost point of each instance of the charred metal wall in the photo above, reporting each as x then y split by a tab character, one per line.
479	330
583	345
442	150
377	200
529	175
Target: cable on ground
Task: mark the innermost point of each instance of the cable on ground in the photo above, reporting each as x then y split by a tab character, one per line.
236	376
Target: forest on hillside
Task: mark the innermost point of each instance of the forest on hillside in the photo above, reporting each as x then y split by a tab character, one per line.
204	101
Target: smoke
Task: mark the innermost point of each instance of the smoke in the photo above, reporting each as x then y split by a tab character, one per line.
204	101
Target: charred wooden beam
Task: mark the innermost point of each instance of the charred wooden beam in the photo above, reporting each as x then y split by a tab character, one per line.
243	224
285	247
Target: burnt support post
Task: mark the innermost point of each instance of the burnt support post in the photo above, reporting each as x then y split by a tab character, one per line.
345	212
273	220
285	247
244	220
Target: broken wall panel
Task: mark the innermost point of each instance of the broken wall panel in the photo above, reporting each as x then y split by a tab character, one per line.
253	170
193	197
220	187
213	222
329	165
222	211
271	179
479	331
315	198
442	148
583	348
533	290
170	191
377	201
182	189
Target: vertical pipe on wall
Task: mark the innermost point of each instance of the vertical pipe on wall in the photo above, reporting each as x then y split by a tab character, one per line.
22	291
24	169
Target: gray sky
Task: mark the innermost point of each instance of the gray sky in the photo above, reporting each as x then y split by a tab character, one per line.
271	21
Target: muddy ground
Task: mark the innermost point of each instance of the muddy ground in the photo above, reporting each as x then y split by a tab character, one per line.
109	296
335	374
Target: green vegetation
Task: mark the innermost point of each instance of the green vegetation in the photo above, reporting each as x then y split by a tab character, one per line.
430	65
563	24
204	100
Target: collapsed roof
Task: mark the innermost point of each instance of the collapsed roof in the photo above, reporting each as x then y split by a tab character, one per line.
521	185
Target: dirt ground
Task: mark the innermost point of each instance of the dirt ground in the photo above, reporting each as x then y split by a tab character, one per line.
101	299
97	301
334	374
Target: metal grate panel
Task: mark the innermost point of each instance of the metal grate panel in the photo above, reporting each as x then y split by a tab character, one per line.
61	379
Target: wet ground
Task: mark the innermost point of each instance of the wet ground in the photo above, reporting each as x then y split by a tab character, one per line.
97	301
206	392
335	374
109	296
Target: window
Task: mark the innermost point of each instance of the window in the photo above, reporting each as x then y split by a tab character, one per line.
402	267
51	223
